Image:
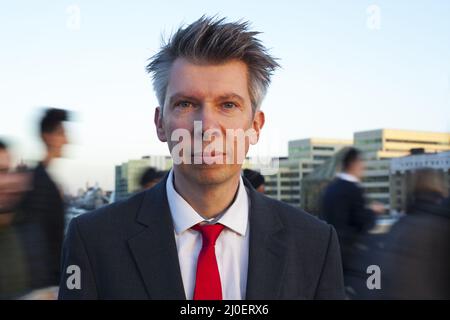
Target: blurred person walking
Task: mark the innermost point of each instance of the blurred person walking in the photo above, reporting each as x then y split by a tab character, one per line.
415	262
41	222
13	277
256	179
344	206
150	177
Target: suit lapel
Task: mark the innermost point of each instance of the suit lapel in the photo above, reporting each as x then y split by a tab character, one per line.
154	249
267	250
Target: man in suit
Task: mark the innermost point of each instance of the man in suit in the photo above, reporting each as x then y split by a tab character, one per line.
204	232
344	207
40	221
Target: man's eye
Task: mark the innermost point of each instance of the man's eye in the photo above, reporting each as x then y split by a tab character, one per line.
184	104
229	105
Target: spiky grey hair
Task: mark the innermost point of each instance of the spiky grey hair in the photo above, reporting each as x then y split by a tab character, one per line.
215	41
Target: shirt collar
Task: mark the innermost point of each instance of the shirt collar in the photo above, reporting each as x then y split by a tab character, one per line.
184	216
347	177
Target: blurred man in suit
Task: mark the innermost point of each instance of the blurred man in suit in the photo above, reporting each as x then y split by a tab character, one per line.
204	232
150	177
41	219
256	179
344	207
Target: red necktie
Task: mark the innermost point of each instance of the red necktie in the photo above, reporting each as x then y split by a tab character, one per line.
207	280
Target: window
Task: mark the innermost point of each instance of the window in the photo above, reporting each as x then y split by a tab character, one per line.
361	142
290	183
416	141
321	158
376	190
289	175
377	179
323	148
289	192
271	183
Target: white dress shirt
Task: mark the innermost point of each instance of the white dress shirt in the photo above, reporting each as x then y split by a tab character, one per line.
348	177
232	245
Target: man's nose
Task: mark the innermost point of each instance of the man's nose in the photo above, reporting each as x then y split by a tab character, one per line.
210	121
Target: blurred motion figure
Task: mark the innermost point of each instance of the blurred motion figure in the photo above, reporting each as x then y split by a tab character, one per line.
13	280
150	177
41	222
256	179
344	206
415	263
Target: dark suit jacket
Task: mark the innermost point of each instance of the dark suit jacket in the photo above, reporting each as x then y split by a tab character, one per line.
127	250
40	226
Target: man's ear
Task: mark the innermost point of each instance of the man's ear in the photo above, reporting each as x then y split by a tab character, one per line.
159	125
258	122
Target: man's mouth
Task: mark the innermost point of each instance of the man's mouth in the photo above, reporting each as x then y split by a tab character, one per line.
213	157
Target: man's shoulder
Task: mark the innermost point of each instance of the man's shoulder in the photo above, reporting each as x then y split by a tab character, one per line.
112	217
294	217
342	183
340	186
304	234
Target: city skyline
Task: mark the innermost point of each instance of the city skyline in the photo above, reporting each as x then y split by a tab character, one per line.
295	157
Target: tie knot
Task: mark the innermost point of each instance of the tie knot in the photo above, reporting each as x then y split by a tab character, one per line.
210	232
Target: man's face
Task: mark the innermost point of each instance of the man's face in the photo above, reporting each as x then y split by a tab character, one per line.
261	188
56	140
218	96
358	168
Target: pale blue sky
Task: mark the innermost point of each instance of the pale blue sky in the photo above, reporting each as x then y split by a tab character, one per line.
338	75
